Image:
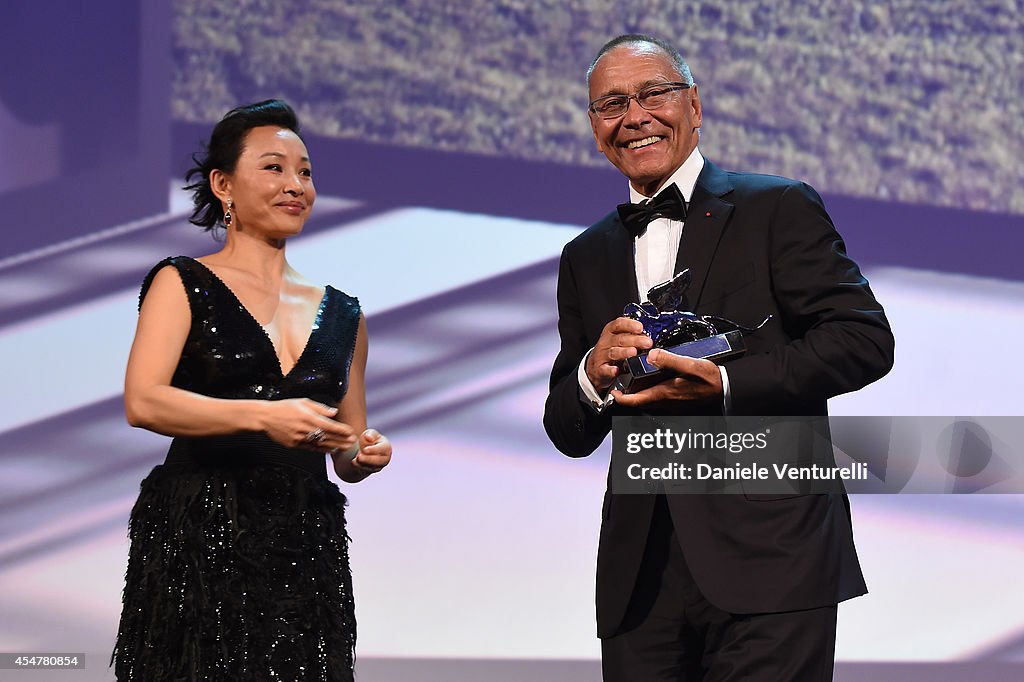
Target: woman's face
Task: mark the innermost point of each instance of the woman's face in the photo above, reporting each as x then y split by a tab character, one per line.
272	185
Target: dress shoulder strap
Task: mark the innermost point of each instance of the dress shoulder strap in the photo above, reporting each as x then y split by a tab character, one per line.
192	274
344	311
348	306
342	315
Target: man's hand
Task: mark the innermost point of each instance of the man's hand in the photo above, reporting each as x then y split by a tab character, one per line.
620	339
696	380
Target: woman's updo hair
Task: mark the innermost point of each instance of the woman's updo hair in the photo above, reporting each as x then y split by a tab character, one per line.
225	146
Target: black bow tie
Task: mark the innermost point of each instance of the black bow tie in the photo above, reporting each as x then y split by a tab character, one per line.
668	204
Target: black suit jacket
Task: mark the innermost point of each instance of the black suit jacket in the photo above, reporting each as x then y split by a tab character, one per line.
756	244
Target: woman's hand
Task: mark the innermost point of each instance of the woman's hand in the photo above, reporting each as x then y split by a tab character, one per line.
374	452
372	455
304	423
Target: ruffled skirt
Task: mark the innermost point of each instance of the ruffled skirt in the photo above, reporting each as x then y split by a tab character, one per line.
237	573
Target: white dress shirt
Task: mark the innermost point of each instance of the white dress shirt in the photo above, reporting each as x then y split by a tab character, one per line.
654	257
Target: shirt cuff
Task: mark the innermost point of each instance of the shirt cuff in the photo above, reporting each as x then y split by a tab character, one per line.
726	395
588	394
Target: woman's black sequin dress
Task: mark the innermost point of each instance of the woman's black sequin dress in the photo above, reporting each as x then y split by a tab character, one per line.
238	568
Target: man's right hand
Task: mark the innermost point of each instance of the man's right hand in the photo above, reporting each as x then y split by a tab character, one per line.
620	339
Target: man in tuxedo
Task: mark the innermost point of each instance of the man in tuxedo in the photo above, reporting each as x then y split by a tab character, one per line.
709	587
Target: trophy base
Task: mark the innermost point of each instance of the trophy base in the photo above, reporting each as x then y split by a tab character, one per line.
638	374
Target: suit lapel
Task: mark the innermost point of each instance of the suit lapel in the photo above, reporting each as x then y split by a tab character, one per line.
706	218
621	272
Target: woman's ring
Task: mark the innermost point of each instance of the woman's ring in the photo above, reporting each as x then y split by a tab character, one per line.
314	436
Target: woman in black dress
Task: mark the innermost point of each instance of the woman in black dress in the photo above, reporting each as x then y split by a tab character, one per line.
238	568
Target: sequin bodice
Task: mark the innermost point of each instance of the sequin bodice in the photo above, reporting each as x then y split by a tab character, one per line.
229	355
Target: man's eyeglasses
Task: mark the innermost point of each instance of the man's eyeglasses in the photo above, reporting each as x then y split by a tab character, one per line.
650	98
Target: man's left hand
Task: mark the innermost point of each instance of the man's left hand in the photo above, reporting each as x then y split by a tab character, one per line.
695	380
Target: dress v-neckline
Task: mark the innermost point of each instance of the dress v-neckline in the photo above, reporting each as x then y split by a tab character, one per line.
314	326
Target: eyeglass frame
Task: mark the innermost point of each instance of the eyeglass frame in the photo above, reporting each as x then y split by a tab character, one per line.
675	86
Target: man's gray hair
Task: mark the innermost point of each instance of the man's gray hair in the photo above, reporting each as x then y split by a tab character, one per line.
632	38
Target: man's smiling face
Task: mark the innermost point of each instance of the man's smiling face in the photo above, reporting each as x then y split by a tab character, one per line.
647	146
